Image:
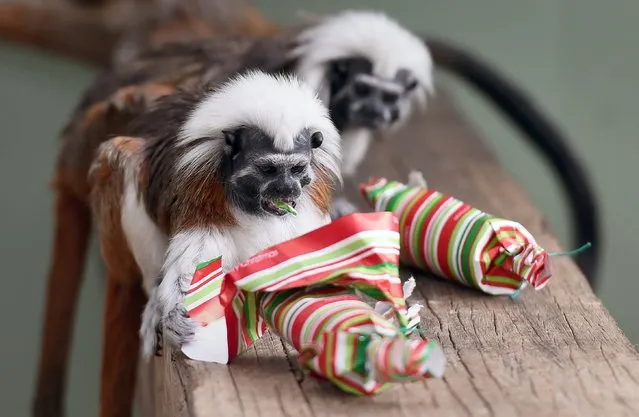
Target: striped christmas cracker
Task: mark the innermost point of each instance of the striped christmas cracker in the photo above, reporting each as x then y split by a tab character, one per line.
451	239
307	290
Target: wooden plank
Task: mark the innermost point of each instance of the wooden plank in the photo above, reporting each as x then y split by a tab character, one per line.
260	382
549	353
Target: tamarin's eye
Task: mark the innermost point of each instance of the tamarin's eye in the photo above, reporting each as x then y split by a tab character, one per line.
268	169
316	139
362	90
341	67
298	169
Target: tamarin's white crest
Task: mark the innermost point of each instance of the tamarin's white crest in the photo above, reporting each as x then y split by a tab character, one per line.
281	106
371	35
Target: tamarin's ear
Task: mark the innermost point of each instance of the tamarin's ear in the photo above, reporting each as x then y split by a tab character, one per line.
232	139
407	79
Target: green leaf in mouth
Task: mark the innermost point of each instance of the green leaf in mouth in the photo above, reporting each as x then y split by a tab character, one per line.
286	207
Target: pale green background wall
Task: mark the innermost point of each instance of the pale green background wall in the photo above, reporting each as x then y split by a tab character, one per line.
578	58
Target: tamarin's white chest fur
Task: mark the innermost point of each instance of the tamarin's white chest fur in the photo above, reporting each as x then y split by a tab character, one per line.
153	250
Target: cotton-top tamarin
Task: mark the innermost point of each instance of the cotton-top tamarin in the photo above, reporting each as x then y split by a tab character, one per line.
219	167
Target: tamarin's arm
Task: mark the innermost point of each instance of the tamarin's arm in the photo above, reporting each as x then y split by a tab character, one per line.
186	250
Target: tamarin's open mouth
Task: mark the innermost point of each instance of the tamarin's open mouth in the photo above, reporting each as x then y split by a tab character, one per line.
280	207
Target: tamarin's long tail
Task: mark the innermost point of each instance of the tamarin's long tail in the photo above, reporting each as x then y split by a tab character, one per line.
71	239
547	139
73	35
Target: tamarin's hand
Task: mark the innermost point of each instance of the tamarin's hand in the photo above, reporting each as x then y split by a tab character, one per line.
341	207
165	314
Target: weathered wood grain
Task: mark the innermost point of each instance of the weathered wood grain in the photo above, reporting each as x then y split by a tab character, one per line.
555	352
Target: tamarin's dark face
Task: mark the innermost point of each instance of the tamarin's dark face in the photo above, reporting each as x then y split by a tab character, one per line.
358	98
257	176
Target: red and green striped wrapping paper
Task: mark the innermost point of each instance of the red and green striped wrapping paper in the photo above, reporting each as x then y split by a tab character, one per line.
340	338
307	291
451	239
202	297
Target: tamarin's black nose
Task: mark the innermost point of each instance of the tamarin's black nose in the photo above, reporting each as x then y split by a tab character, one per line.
390	97
362	89
394	114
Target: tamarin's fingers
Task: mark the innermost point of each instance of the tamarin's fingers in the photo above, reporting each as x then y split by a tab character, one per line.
119	106
143	94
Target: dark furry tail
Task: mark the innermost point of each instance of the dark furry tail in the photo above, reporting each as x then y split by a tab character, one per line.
70	34
542	134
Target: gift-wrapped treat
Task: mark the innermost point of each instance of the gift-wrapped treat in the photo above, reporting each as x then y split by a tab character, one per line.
451	239
310	291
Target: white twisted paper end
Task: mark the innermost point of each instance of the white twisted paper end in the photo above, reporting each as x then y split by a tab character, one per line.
386	309
416	179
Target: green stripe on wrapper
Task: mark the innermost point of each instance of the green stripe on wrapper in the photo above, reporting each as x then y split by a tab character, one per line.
447	237
306	290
